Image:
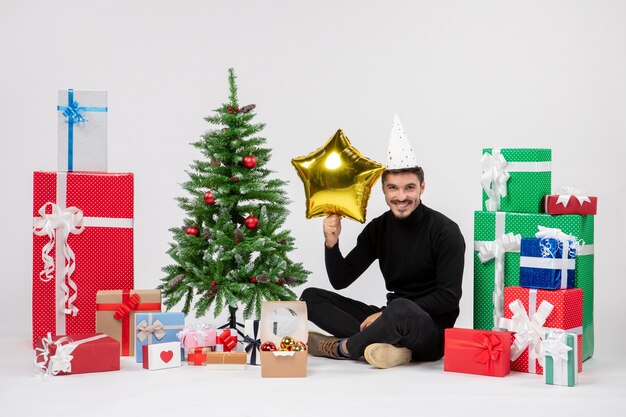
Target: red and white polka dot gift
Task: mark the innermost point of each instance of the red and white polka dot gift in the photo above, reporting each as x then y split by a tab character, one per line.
82	243
530	313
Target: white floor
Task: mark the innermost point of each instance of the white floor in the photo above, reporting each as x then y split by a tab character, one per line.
331	388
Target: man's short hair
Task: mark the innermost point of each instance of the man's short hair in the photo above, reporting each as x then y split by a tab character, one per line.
414	170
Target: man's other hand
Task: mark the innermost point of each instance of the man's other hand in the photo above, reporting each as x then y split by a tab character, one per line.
370	320
332	230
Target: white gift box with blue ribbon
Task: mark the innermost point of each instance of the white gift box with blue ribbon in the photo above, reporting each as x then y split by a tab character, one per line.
548	262
82	130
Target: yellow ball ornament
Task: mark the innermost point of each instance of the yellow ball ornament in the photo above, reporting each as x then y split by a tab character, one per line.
287	343
337	179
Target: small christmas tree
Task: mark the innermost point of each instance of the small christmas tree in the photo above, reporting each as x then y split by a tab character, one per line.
231	250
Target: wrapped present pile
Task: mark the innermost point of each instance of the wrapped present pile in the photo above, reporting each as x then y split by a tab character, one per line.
533	269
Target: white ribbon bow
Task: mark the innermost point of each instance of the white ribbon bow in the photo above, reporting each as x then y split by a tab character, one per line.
494	179
555	345
568	244
146	330
496	249
565	193
528	332
61	361
66	221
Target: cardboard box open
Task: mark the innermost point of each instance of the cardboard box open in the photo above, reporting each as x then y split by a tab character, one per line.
280	319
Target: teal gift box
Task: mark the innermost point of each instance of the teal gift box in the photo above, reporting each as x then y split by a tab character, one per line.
560	350
491	236
516	180
153	328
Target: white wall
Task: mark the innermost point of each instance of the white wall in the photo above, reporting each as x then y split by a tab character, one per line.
463	75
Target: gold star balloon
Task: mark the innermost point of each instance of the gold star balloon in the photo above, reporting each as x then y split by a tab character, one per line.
337	179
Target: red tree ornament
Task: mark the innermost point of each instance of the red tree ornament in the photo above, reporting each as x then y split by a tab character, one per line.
280	281
253	280
192	231
208	198
234	179
249	161
213	283
252	222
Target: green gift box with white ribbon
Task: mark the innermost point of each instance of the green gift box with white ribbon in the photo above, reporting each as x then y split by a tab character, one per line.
497	262
515	180
560	350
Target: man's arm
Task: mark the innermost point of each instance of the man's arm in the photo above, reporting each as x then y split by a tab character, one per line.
344	271
449	248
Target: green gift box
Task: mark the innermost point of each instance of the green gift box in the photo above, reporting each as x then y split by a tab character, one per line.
516	180
505	266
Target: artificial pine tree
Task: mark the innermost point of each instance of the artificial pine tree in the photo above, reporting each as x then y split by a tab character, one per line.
231	251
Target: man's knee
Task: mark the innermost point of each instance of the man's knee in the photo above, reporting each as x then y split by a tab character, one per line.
401	308
312	294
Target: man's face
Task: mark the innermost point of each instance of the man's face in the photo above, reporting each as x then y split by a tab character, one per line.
402	193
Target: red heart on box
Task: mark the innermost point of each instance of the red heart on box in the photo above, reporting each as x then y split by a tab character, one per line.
167	356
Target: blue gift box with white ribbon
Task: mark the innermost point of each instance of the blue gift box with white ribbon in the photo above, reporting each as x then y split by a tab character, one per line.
153	328
82	130
547	263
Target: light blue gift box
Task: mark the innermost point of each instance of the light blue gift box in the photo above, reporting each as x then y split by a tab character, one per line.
153	328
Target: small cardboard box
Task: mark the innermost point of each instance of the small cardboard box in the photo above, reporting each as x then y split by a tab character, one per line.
280	319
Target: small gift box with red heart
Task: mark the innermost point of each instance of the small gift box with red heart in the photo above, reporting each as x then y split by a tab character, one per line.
161	356
479	352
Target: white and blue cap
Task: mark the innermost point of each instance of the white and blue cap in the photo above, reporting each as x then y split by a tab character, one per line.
400	153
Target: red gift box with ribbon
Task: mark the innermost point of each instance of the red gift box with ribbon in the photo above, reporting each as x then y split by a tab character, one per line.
115	314
82	243
570	201
478	352
77	354
226	340
530	313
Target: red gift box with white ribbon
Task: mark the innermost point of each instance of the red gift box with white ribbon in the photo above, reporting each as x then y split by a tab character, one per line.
530	313
77	354
82	243
570	200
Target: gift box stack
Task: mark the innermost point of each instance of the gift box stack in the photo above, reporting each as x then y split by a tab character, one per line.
213	348
532	247
82	238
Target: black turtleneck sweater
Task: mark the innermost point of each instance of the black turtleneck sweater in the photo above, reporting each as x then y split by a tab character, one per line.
421	259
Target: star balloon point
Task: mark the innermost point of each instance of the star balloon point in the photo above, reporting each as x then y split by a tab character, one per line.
337	179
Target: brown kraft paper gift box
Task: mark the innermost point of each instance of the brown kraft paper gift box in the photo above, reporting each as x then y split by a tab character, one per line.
115	314
280	319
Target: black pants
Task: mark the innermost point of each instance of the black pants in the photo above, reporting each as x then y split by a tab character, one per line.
402	323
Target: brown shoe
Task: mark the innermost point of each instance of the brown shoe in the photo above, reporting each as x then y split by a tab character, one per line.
384	355
324	346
